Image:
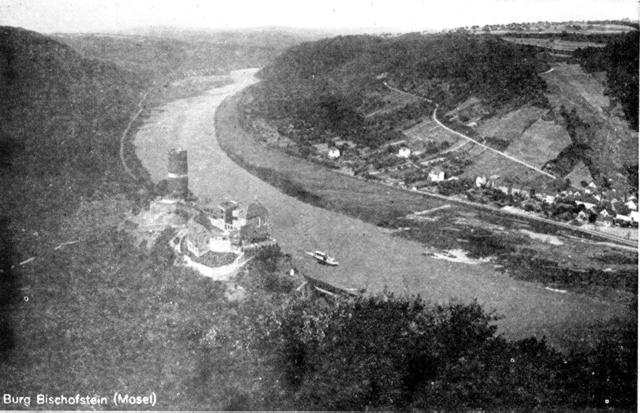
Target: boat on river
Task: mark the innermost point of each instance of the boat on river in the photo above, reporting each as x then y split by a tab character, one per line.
322	258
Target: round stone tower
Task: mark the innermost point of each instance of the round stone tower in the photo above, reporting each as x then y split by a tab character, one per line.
177	178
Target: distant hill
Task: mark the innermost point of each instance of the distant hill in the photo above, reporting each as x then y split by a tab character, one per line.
337	84
268	36
350	86
61	117
158	51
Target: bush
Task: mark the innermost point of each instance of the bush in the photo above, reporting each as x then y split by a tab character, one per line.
386	353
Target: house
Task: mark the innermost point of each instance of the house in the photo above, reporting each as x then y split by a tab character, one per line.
198	240
256	228
606	214
622	220
481	181
631	205
334	153
436	175
228	216
404	152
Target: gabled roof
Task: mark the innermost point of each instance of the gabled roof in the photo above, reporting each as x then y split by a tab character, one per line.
203	220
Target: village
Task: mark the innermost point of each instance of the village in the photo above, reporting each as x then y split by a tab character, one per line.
432	166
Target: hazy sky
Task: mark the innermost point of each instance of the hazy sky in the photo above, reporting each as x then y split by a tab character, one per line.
397	15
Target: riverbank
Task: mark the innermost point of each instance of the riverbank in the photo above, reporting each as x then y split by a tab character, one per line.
588	268
370	201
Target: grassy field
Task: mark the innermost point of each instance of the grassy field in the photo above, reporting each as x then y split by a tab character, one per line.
555	44
487	163
386	102
429	130
511	125
540	143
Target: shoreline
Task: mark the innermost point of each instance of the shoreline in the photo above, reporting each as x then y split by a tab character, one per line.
247	154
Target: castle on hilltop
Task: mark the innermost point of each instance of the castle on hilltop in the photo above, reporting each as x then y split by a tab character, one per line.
215	239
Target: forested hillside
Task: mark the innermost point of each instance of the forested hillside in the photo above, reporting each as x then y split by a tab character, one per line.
331	84
351	86
61	117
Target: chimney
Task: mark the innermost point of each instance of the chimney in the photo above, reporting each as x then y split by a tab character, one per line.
177	178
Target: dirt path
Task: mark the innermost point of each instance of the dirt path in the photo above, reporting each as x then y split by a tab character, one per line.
369	256
489	148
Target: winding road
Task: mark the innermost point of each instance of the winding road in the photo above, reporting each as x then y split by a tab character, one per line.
620	242
470	139
369	256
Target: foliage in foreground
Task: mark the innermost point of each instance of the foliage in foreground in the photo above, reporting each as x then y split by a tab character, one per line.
118	320
384	353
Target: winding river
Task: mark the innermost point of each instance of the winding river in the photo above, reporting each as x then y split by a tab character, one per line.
369	256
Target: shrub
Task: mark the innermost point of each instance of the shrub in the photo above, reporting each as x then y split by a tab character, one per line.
384	353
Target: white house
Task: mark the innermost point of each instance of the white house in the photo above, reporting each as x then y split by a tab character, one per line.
620	219
334	153
229	216
198	240
605	214
404	152
481	181
436	175
631	205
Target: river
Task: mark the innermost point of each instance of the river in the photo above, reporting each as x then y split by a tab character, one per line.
369	256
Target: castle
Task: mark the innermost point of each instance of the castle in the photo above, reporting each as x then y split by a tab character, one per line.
214	239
